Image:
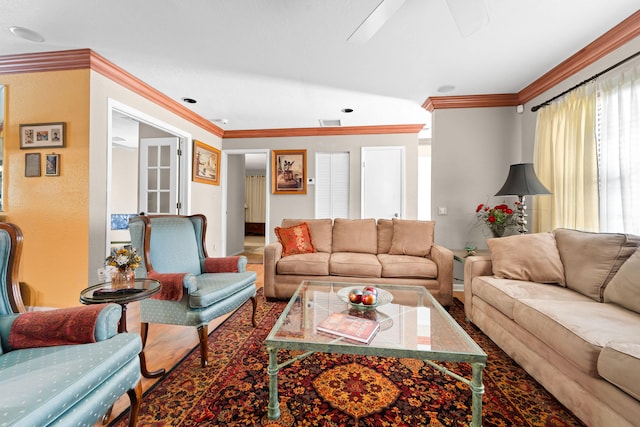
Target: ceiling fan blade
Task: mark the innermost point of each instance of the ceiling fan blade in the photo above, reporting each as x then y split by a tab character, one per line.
469	15
375	21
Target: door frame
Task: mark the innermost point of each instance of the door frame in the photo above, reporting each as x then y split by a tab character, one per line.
225	189
184	163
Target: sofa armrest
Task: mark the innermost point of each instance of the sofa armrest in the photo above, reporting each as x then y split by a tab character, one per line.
229	264
443	257
64	326
272	254
474	266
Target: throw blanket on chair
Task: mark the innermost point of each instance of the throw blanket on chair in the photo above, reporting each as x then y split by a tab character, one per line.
172	285
221	265
65	326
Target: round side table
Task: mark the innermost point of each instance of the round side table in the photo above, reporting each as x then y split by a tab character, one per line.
141	289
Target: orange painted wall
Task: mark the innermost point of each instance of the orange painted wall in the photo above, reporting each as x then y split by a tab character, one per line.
52	212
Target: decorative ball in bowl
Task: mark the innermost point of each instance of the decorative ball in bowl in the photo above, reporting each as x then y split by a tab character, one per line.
365	297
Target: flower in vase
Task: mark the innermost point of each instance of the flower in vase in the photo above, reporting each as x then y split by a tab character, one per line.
124	258
496	218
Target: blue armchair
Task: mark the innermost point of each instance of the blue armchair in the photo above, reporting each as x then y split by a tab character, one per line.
195	288
60	367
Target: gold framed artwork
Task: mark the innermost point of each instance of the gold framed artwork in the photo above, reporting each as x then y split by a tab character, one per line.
289	171
42	135
206	164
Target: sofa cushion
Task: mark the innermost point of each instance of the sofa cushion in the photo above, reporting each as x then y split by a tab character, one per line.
352	264
412	237
502	294
385	235
319	229
295	239
605	253
619	363
407	266
571	328
624	287
529	257
355	235
315	264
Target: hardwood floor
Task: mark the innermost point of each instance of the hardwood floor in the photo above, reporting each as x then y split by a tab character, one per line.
167	344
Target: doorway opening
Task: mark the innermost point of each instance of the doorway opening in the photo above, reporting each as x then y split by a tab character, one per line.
246	203
128	130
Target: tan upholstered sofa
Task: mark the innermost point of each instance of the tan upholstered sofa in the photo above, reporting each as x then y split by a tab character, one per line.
363	251
566	307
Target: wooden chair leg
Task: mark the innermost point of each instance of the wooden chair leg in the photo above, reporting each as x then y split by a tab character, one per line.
144	331
254	300
203	334
135	396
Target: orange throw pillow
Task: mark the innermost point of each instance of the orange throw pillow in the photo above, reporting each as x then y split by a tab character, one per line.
295	240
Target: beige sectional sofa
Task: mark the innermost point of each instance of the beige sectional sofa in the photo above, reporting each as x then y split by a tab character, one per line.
566	307
362	251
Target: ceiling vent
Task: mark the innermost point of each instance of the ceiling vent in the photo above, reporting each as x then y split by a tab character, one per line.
330	123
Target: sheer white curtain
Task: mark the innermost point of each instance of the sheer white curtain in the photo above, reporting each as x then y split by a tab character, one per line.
619	150
254	198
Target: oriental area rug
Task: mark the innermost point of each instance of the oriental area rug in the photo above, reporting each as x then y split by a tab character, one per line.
337	390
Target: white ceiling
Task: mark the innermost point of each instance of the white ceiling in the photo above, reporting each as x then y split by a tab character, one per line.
287	63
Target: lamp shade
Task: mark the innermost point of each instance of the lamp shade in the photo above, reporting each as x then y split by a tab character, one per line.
522	181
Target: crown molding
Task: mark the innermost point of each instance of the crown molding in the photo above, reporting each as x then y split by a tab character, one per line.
613	39
471	101
86	58
323	131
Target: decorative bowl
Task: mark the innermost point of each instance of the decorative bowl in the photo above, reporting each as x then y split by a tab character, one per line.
384	297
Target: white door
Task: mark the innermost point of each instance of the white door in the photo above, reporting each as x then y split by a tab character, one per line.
382	182
158	176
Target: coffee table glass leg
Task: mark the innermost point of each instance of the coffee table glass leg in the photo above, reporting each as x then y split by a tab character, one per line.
477	390
274	403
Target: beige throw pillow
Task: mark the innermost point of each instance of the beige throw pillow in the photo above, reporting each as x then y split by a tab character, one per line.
411	237
530	257
355	235
385	235
591	259
624	287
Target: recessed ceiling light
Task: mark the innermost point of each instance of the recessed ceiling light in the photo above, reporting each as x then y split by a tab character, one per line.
446	88
26	34
189	100
222	121
347	110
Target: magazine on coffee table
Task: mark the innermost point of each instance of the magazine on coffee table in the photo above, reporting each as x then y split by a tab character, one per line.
350	327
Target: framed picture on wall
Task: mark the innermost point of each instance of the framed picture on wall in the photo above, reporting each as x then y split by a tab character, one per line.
206	164
52	165
32	164
42	135
289	171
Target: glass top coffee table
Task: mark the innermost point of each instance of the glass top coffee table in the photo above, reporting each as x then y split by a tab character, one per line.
412	325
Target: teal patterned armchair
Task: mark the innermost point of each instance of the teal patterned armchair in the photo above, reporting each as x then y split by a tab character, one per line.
60	367
195	287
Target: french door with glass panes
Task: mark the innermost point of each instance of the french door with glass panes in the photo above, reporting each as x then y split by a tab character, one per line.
158	176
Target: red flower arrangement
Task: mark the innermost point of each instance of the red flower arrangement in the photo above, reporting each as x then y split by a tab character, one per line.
496	218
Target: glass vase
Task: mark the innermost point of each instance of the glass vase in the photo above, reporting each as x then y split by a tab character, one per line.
497	230
123	278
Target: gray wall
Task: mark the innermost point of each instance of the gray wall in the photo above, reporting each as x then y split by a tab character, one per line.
472	149
303	206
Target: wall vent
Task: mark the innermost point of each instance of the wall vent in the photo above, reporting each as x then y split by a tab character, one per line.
330	123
